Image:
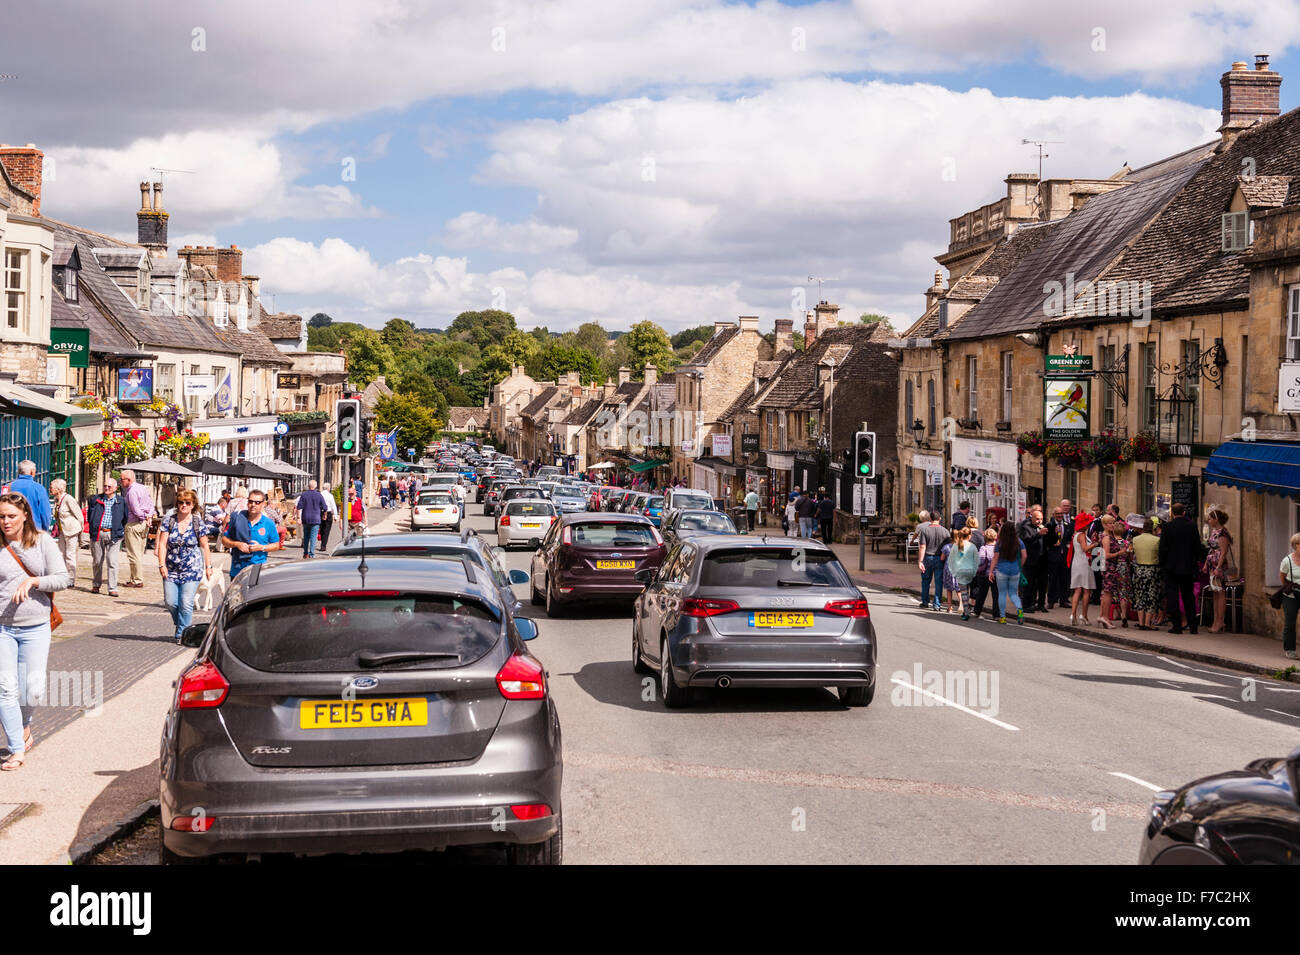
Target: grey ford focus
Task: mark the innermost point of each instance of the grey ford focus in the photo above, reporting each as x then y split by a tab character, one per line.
737	611
347	707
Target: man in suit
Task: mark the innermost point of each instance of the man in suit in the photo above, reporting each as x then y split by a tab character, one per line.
1033	536
107	520
1181	553
1056	545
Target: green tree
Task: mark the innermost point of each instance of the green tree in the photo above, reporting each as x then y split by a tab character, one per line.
456	395
700	333
418	422
489	327
520	348
559	359
368	357
399	335
592	337
330	337
319	320
871	318
647	343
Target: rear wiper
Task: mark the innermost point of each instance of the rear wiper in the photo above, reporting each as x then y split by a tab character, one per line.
369	659
795	583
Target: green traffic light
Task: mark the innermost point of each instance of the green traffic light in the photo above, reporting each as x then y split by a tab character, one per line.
348	445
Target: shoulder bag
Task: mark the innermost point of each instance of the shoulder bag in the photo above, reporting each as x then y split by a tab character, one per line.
1275	598
56	618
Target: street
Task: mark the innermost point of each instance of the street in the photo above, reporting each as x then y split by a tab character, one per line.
1051	755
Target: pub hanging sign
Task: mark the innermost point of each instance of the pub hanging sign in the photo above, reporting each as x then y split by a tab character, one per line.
1066	395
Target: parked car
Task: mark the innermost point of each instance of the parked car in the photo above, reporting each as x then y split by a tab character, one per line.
694	523
598	495
515	492
592	557
737	612
445	718
653	508
525	522
632	503
1248	816
435	509
568	500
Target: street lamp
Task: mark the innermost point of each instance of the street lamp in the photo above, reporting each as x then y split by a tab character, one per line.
918	430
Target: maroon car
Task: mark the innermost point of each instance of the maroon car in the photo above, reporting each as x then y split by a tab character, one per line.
593	556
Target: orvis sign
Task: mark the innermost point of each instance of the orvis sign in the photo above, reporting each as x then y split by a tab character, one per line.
72	342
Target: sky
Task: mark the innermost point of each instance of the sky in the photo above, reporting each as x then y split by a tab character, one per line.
684	161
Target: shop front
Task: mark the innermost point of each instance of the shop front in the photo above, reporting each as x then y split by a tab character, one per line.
234	441
780	477
985	473
922	482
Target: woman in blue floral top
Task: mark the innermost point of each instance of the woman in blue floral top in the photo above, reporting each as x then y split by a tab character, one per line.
183	559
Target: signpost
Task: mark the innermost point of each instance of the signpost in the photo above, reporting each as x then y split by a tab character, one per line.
1066	388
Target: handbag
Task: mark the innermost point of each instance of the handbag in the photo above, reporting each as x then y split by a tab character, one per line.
56	618
1229	568
1275	598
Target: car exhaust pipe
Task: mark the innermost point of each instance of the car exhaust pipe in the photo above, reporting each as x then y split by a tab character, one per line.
724	682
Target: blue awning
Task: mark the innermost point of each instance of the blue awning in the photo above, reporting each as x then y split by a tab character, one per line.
1265	467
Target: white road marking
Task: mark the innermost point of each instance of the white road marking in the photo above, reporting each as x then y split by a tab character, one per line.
1280	713
1167	683
958	706
1141	782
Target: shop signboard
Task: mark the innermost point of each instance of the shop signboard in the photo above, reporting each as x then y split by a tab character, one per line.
1186	491
749	443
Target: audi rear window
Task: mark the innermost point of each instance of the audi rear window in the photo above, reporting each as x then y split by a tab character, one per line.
610	534
392	631
774	567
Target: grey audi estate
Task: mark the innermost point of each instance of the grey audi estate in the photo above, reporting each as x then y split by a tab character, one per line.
740	611
349	705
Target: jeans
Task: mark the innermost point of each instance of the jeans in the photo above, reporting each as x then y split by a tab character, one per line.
309	532
806	527
179	598
1008	587
23	655
1290	606
933	565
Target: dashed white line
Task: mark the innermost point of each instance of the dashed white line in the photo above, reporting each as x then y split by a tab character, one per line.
957	706
1281	713
1141	782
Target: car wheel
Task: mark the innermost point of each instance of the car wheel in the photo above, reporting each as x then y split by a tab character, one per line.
554	609
638	664
857	695
675	697
550	852
455	529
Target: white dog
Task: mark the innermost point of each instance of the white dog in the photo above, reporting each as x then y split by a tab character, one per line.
211	589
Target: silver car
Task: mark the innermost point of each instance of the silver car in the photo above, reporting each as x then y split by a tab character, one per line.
525	522
732	611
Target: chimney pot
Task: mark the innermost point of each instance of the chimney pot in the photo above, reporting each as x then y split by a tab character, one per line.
157	197
145	202
1261	61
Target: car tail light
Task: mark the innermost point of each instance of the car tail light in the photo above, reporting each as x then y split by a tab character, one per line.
192	823
536	810
522	678
848	608
655	532
505	519
202	687
701	607
567	536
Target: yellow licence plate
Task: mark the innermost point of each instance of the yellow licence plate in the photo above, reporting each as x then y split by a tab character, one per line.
780	618
534	524
615	564
346	714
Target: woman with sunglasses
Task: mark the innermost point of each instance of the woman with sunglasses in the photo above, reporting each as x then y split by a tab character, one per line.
31	568
183	559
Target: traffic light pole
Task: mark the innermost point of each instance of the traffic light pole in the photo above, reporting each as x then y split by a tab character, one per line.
347	483
862	524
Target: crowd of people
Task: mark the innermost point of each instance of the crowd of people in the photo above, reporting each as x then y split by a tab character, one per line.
1134	567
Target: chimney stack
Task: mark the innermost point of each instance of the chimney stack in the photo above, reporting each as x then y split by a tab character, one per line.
784	337
24	164
624	375
818	321
749	323
720	325
230	264
254	284
197	256
151	221
1249	97
651	374
935	291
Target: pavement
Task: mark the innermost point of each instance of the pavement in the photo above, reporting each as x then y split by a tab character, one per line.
93	771
1247	652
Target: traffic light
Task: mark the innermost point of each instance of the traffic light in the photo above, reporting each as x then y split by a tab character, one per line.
864	454
347	426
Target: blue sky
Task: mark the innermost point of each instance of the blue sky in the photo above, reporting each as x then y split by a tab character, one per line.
684	160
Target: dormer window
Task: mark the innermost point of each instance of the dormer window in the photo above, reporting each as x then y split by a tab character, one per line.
242	316
71	290
1238	231
221	314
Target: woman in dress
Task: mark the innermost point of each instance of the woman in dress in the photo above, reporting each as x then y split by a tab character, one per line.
963	562
183	560
31	568
1220	564
1148	585
1117	580
1081	548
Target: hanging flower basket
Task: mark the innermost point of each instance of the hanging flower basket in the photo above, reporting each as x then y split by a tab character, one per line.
1031	442
180	445
1067	454
115	449
1144	446
1102	451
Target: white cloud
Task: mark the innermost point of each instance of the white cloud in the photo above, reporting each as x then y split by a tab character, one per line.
475	230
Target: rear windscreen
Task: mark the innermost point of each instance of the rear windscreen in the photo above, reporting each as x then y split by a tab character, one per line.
614	535
772	567
535	508
692	500
706	522
324	634
443	498
655	502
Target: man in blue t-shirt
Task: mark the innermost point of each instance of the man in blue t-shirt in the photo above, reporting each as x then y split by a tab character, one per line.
250	535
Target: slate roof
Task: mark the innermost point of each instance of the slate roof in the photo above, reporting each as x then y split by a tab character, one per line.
1182	160
714	345
281	325
583	412
848	345
1181	252
65	253
105	338
111	258
168	268
535	407
1083	244
458	416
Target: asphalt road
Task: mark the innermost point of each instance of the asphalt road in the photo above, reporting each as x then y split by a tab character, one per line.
1051	756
